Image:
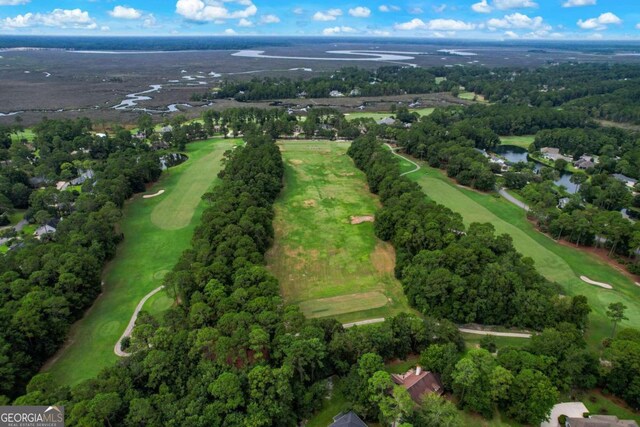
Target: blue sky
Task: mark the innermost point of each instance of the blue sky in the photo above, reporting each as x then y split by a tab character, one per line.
474	19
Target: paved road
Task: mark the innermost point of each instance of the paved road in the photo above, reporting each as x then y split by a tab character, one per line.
393	150
503	192
363	322
495	334
127	332
465	330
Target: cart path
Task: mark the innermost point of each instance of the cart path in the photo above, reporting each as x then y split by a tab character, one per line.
127	332
393	150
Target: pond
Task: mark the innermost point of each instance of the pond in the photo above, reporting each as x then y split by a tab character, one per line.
515	154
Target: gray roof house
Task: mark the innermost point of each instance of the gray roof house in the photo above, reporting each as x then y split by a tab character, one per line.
44	230
386	121
629	182
600	421
349	419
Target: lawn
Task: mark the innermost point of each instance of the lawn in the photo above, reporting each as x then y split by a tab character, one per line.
558	263
471	96
384	115
523	141
26	134
324	263
145	256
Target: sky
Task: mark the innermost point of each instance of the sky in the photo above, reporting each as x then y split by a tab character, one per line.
466	19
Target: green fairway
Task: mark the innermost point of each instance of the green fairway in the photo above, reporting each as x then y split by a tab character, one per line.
145	256
523	141
558	263
384	115
324	263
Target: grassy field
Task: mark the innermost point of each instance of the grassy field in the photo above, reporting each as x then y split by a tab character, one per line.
383	115
470	96
558	263
148	252
26	134
523	141
324	263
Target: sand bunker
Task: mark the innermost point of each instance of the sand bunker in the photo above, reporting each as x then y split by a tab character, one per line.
593	282
360	219
637	284
149	196
310	203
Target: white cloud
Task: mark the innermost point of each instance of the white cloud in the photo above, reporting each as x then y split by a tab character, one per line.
435	25
578	3
105	28
440	9
123	12
595	36
481	7
638	26
149	21
511	35
513	4
599	23
269	19
13	2
214	10
381	33
298	11
360	12
416	11
518	20
244	22
388	8
62	18
337	30
230	32
329	15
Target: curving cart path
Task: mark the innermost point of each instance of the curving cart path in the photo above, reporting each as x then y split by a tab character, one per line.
127	332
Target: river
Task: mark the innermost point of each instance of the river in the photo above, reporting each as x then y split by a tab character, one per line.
514	154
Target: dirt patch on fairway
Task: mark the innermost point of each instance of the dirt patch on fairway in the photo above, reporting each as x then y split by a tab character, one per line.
360	219
593	282
310	203
347	174
296	162
383	258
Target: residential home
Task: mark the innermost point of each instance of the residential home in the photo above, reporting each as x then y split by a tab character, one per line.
62	185
600	421
552	153
348	419
563	202
418	383
44	230
585	162
386	121
336	94
84	176
166	129
629	182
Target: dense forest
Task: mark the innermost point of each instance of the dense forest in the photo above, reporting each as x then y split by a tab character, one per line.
463	274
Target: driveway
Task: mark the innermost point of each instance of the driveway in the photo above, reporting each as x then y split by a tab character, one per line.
570	409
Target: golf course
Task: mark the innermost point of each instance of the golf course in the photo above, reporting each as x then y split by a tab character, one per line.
325	254
157	229
562	264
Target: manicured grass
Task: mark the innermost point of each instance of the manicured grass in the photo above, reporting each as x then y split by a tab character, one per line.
470	96
17	216
145	256
175	209
558	263
523	141
440	80
330	408
383	115
599	404
27	134
473	341
323	262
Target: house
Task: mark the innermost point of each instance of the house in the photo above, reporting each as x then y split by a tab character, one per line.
552	153
386	121
38	181
44	230
140	135
84	176
629	182
419	382
101	135
349	419
585	162
563	202
336	94
62	185
166	129
600	421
